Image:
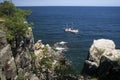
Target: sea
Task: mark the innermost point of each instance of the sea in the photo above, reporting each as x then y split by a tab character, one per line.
92	22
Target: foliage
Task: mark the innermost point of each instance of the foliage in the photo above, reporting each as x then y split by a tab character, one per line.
7	9
47	62
63	68
15	25
22	13
33	56
20	77
45	49
118	59
110	54
93	79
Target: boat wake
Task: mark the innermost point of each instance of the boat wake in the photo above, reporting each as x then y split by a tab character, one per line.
62	43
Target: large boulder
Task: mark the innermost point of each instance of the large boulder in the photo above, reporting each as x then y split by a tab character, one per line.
103	60
99	47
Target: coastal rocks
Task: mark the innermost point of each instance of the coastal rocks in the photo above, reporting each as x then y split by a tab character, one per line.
99	47
23	58
7	64
23	55
16	62
34	77
38	48
50	64
30	39
41	52
103	60
38	45
3	41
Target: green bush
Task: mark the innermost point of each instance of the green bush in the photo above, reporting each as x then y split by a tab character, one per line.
15	26
20	77
47	62
33	56
7	8
93	79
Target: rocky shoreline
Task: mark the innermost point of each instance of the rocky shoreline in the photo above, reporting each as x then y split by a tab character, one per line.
103	61
22	59
41	62
32	62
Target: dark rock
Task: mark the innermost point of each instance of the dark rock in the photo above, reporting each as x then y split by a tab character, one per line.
103	61
108	69
7	63
90	68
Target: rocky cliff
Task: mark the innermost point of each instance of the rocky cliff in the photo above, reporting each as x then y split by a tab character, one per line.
31	61
103	61
13	63
38	61
7	63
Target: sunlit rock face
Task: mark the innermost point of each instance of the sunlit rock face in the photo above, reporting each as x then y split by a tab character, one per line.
7	63
103	60
99	47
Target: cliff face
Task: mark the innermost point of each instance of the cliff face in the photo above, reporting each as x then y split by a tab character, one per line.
42	62
103	61
7	63
32	62
17	67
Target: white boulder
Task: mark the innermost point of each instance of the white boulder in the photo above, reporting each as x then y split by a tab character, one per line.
99	47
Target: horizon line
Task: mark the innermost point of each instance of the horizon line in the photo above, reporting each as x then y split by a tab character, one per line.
62	6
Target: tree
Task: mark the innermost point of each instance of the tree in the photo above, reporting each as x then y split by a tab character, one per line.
16	29
15	25
8	0
7	8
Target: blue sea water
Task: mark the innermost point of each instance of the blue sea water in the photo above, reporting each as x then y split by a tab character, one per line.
92	22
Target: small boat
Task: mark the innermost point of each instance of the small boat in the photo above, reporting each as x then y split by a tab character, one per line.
68	29
71	30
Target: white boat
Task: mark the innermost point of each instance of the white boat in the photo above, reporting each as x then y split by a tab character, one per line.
71	30
68	29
